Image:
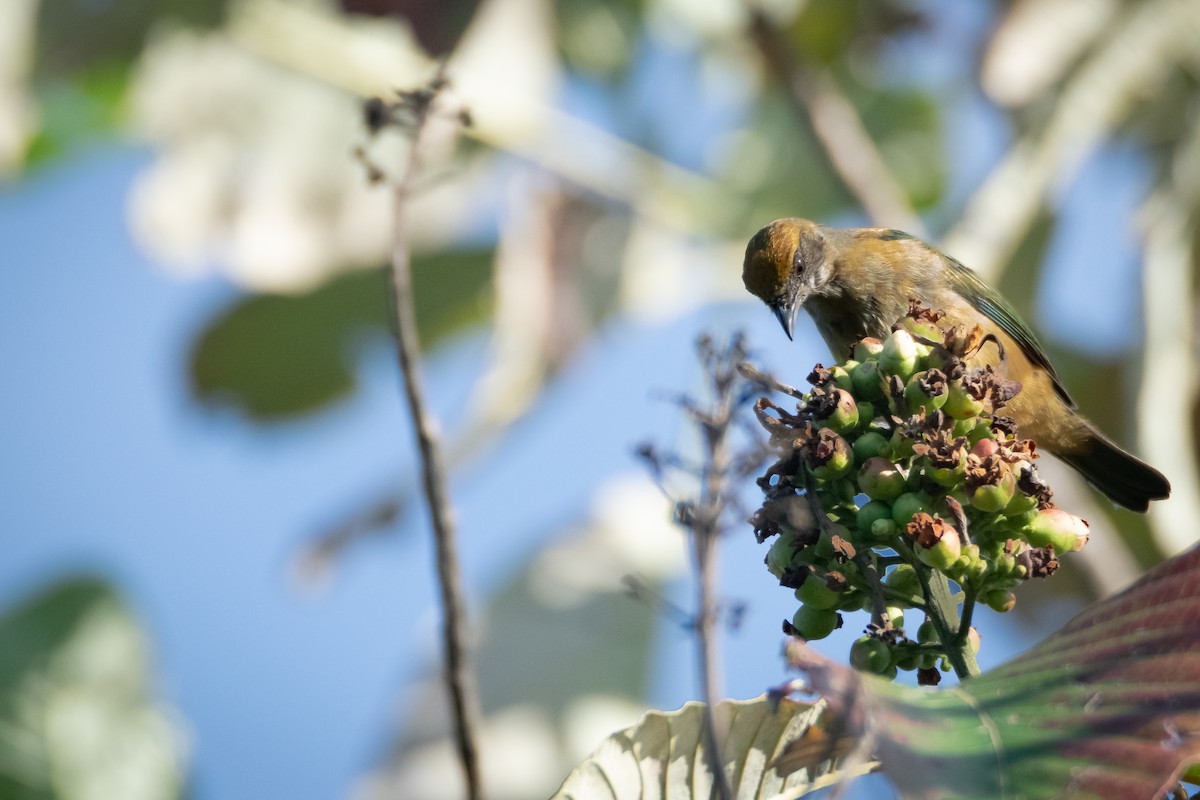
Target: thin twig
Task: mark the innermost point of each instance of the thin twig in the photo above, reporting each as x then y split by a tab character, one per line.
839	129
459	678
706	527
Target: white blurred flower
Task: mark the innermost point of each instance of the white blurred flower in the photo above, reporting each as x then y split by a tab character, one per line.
519	752
255	126
630	532
18	115
254	173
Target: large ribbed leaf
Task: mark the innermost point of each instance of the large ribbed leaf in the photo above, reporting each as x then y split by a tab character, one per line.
664	756
1107	707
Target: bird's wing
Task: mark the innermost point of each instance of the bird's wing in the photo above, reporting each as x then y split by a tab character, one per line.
989	303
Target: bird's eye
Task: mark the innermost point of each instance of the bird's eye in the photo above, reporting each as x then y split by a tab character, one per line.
798	261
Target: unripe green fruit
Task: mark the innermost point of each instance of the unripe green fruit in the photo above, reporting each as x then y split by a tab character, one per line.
902	445
779	556
960	404
815	623
869	445
880	479
1053	527
868	381
944	554
903	578
979	433
944	476
917	392
884	530
841	376
869	654
815	593
1020	505
923	329
899	356
999	600
869	513
866	413
963	427
994	497
839	460
908	504
845	414
908	660
927	633
867	349
896	615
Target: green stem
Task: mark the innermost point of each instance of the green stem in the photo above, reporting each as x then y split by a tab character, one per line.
942	609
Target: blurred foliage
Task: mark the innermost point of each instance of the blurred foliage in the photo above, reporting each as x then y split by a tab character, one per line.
274	356
74	36
77	703
831	31
77	109
598	37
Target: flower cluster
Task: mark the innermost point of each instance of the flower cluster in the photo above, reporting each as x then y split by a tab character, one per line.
896	466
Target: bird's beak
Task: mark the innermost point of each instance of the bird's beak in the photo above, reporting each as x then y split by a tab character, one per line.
786	314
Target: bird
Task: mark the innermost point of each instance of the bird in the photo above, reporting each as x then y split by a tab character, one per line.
857	282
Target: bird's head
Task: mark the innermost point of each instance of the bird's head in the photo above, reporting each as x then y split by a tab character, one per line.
785	264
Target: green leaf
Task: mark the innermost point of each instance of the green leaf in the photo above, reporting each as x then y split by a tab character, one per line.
664	755
78	109
1107	707
77	710
274	356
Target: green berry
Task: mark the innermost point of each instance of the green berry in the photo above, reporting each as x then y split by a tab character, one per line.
1053	527
869	654
780	555
868	381
869	445
899	356
816	593
903	578
815	623
830	456
868	349
926	391
999	600
870	513
908	504
960	404
994	497
844	413
884	530
942	555
880	479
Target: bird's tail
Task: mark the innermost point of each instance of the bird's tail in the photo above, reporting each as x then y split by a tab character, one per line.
1128	481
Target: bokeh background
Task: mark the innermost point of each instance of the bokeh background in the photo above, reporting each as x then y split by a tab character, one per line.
215	565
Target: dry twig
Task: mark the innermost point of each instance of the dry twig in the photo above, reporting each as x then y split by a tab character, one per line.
413	110
839	129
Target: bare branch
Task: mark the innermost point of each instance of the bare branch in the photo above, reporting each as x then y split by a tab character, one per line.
460	683
706	526
839	129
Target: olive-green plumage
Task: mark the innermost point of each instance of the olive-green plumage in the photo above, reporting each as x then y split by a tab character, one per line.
857	282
